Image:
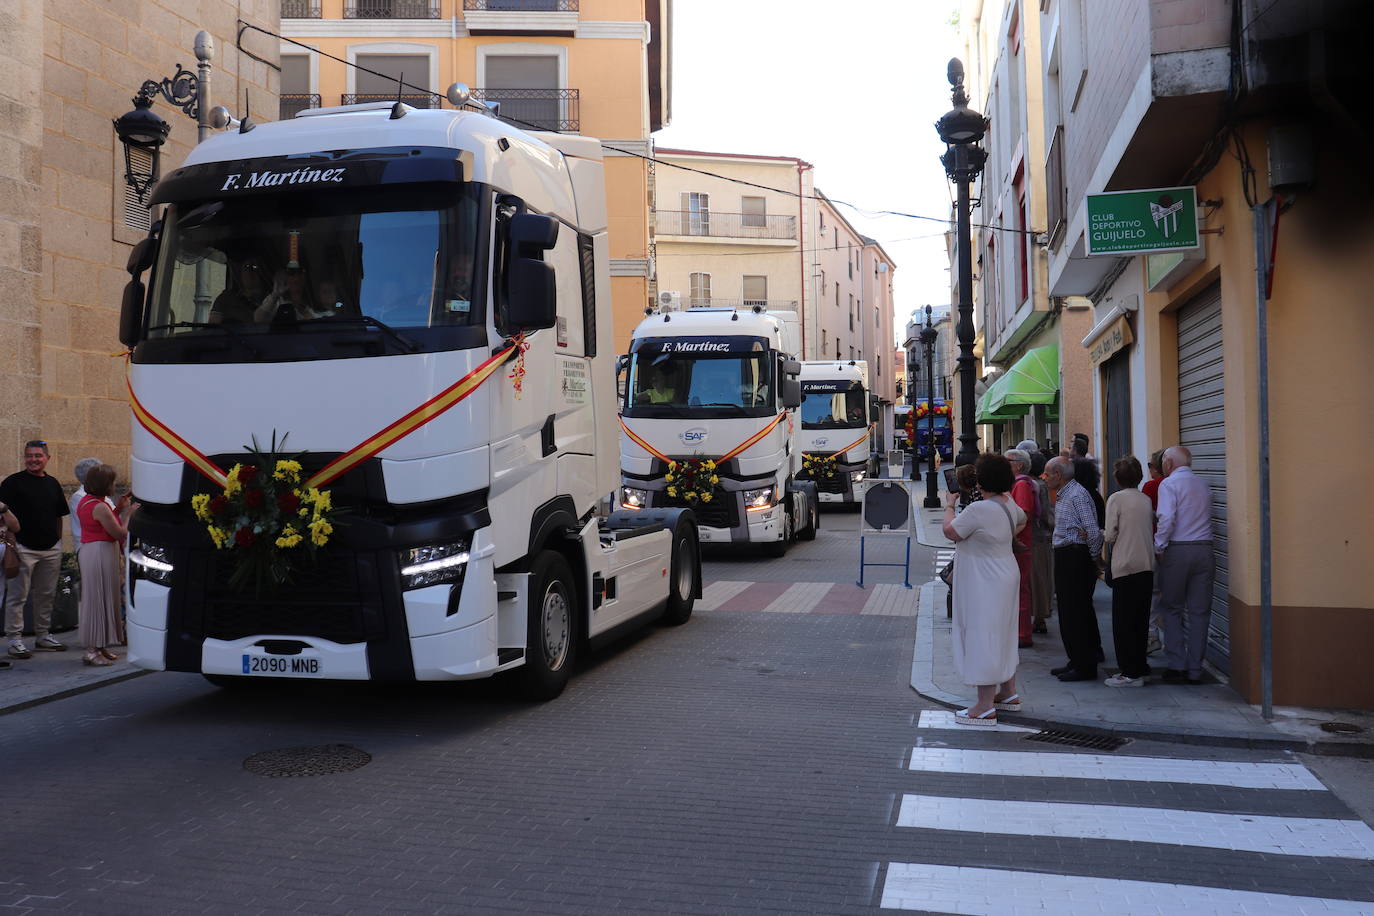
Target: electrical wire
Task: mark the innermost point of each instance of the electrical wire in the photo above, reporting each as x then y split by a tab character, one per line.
420	90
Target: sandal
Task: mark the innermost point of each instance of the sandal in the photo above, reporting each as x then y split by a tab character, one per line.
108	654
94	657
1010	704
987	719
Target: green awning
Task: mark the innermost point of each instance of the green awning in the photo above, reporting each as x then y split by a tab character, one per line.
987	415
1032	379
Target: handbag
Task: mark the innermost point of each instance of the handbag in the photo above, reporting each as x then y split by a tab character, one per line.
947	574
11	555
1016	545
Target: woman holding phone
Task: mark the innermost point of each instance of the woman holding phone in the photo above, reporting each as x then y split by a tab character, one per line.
103	530
986	584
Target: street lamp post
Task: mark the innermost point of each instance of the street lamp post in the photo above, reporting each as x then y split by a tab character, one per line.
913	374
928	335
961	128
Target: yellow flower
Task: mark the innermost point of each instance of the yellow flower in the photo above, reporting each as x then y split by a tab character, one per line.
672	491
232	486
302	511
201	504
706	497
669	478
219	536
321	500
672	465
320	529
290	537
287	470
691	495
715	479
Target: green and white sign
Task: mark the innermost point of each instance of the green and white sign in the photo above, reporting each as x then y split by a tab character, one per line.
1141	222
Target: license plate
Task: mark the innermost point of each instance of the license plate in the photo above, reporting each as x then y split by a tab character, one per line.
705	534
281	666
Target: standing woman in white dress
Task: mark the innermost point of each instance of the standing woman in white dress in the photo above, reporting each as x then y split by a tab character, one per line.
986	584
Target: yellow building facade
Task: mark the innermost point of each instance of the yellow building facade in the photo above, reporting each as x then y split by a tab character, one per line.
599	68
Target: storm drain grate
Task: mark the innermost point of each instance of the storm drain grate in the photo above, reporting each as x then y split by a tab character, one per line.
1079	739
1341	728
318	760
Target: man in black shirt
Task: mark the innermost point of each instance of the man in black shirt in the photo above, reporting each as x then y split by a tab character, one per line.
36	499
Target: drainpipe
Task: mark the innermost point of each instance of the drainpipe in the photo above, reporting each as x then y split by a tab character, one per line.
1260	219
801	251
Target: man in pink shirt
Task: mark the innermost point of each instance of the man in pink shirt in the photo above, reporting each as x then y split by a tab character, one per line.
1183	544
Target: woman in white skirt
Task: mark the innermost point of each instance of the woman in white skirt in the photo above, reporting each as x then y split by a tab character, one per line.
986	586
103	531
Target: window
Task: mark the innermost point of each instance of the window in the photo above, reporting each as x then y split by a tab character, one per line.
696	213
880	365
527	86
752	212
825	341
822	283
136	215
851	311
755	290
837	295
295	73
700	289
850	259
1022	246
414	69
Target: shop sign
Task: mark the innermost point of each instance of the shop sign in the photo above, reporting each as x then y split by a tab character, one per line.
1140	222
1117	336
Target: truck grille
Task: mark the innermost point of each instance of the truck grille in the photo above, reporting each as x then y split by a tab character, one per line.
831	485
720	512
336	599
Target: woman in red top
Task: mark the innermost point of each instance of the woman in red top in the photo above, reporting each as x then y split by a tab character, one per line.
1024	495
102	532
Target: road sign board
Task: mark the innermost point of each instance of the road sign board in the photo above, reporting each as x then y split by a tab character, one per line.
1139	222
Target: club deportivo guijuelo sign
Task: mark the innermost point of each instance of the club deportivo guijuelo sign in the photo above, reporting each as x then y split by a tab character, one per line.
1142	222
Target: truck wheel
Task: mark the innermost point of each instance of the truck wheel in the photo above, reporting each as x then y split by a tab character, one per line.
813	521
682	589
551	634
779	548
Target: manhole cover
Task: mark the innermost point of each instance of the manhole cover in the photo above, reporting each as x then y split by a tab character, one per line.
320	760
1079	739
1341	728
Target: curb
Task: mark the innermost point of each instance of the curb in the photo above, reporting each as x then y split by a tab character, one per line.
922	681
71	691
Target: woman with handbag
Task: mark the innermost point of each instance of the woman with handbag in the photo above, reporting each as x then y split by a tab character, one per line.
102	533
1128	549
986	583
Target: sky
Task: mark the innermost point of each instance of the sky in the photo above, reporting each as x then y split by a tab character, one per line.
852	87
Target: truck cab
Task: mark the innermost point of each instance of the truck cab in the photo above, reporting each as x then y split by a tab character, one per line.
415	304
836	428
717	385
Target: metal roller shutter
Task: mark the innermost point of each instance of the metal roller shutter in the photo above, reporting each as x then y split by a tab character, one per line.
1202	428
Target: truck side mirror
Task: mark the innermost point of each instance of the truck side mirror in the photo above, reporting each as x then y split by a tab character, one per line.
131	312
791	392
621	363
141	256
531	290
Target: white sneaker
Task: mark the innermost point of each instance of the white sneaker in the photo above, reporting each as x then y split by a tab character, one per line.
18	649
49	643
1153	646
1121	680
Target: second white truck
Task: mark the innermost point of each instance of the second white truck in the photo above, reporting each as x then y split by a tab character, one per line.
836	427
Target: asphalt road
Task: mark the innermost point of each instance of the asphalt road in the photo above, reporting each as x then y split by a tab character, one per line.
755	760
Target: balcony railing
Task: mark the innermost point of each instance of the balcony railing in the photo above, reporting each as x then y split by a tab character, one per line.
538	109
522	6
726	225
300	9
1055	198
414	100
294	102
391	9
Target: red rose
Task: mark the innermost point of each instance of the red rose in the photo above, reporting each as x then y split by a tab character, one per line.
244	537
288	502
217	505
247	473
252	498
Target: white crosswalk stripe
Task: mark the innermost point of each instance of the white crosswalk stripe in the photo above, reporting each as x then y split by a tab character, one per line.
1292	841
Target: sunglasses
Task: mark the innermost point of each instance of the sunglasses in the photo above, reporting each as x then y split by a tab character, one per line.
35	443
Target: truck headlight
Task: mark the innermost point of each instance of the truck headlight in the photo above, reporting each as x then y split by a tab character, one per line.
151	562
760	499
433	564
856	476
633	498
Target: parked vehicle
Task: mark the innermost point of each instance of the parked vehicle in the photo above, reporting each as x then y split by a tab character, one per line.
836	427
448	377
919	419
709	423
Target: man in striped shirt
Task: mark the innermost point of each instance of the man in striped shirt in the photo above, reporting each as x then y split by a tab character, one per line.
1077	541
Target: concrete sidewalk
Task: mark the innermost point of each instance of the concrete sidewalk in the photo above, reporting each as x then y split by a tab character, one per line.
53	675
1209	714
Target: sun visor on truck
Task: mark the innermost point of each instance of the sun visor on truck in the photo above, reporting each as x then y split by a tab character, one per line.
308	172
697	346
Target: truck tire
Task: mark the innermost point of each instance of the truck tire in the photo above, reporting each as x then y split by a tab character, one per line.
551	632
779	547
813	521
683	585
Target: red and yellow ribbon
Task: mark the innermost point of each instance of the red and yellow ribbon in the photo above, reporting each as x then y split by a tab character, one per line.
364	450
642	443
858	441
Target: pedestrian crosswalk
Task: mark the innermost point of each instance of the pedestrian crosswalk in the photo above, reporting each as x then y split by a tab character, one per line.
1125	833
882	599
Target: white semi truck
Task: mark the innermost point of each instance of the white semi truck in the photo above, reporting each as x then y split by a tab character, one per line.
836	427
410	252
718	385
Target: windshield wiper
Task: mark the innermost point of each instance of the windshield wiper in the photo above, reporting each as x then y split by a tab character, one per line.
236	336
410	345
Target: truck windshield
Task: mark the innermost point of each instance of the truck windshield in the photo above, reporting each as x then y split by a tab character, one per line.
703	383
833	409
401	255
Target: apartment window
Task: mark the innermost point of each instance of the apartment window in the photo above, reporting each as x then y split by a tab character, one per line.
825	341
752	212
527	86
880	365
822	283
388	70
1022	247
837	295
136	215
850	259
851	353
755	290
851	311
696	211
295	86
837	239
700	289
